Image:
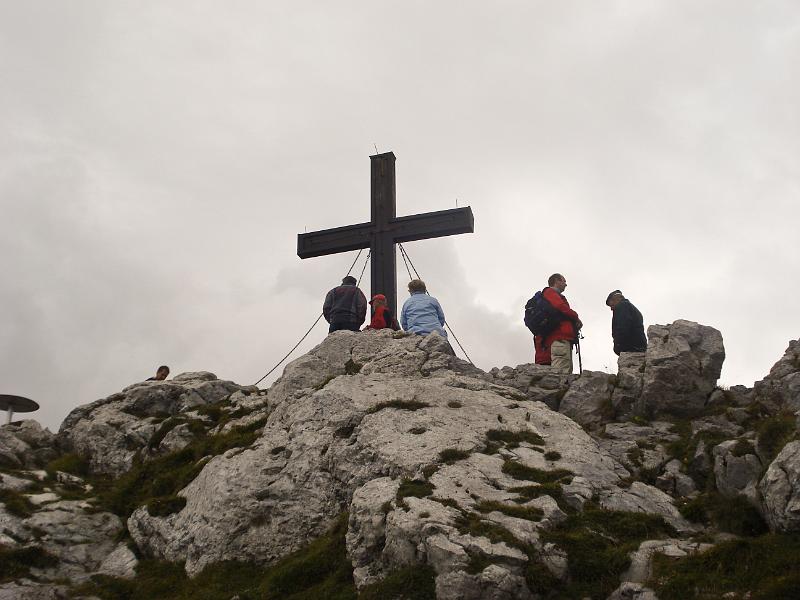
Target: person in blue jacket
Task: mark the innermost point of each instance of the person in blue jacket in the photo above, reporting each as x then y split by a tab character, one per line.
422	313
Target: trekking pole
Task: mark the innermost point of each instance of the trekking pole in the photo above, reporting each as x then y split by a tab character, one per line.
578	347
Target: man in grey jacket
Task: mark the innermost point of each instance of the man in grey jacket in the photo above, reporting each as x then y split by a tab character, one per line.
345	306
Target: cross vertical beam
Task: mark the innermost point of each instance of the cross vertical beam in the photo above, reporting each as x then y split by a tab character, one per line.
385	230
383	269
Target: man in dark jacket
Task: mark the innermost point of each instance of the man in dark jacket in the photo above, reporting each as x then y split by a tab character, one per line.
627	327
345	306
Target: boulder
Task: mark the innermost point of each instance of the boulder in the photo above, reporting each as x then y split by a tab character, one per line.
110	432
780	390
682	365
780	490
26	444
536	382
736	471
588	399
348	423
628	385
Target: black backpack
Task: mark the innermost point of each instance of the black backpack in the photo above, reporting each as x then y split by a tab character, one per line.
541	317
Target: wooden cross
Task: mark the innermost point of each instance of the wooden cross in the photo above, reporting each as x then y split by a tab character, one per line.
385	230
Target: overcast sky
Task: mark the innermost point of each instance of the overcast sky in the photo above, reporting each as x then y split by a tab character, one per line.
158	159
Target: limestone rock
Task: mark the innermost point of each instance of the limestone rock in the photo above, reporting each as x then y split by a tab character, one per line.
641	568
736	475
25	589
25	444
110	432
628	387
493	583
120	563
633	591
780	490
780	390
674	482
347	422
645	498
536	382
683	362
78	537
588	400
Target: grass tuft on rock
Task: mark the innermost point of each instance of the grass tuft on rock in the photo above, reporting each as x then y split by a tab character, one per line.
473	524
732	515
774	433
17	504
414	489
417	582
452	455
166	475
598	543
512	439
319	570
411	405
73	464
529	513
531	492
17	562
763	568
519	471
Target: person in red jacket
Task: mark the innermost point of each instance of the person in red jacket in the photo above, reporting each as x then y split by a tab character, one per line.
381	315
556	348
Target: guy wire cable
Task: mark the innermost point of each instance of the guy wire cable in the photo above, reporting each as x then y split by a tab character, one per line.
315	322
446	324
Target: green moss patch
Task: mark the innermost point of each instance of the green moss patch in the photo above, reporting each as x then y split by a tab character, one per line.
320	570
512	439
598	543
774	433
529	513
452	455
417	582
733	515
743	448
415	489
519	471
766	567
68	463
399	405
166	475
17	562
17	504
473	524
552	455
530	492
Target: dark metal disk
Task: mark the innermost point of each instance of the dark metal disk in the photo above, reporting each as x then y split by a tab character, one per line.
17	403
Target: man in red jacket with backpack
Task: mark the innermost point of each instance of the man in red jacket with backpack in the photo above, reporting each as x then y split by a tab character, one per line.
556	348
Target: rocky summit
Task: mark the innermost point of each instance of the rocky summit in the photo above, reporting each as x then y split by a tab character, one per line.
380	465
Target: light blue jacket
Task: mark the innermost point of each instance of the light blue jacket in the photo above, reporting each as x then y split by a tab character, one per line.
422	314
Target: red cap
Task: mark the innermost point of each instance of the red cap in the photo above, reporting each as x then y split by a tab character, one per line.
377	297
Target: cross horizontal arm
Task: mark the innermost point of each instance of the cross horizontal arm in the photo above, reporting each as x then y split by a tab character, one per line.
432	225
331	241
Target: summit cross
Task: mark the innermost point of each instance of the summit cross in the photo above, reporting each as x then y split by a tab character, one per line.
385	230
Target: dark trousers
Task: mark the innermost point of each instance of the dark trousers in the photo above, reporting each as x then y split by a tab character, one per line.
346	326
